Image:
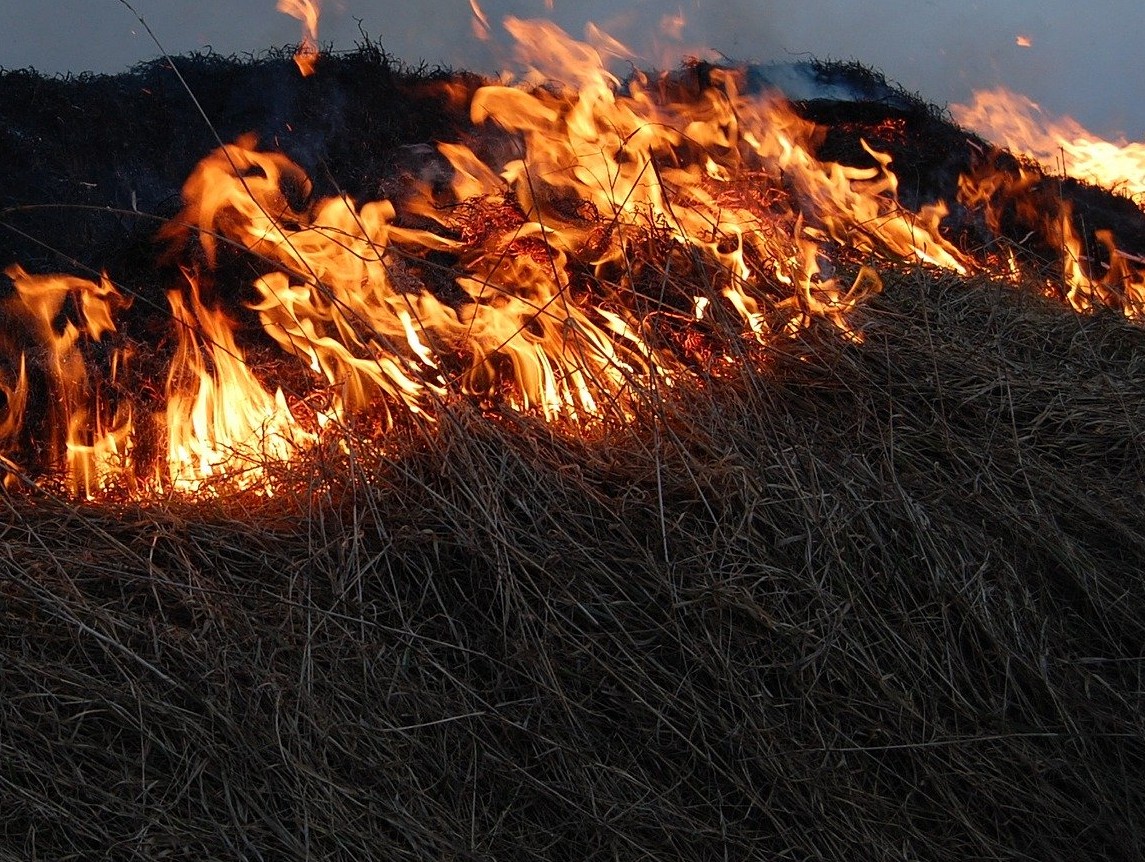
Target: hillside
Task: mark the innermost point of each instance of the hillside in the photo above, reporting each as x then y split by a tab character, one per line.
869	590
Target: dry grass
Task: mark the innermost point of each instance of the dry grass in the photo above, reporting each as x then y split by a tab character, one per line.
852	602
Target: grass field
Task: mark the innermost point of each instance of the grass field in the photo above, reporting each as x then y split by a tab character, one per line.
838	601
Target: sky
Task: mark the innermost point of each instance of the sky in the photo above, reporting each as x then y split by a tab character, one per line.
1082	60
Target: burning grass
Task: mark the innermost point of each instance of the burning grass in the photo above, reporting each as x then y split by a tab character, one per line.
856	602
819	599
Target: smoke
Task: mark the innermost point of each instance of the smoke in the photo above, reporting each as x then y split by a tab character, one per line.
1083	62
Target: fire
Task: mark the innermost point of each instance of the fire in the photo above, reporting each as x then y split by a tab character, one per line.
1063	146
84	432
672	25
1060	144
220	420
481	28
550	304
306	11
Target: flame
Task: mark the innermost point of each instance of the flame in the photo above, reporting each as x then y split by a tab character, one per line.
481	28
220	420
1059	144
551	303
1020	196
306	11
87	433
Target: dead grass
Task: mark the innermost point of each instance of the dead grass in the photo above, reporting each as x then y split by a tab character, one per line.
863	602
839	602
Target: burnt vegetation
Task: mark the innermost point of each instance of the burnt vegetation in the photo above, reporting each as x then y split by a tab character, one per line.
842	601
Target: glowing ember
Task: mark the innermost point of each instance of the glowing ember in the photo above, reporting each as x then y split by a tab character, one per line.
672	25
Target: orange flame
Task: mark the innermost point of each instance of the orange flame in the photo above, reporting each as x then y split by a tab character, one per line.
1016	122
547	307
306	11
92	437
220	420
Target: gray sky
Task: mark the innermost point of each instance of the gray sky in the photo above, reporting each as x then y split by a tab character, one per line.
1084	59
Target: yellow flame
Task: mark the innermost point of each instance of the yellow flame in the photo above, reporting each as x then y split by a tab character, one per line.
306	11
1060	144
220	420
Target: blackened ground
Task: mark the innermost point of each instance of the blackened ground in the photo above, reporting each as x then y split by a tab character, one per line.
90	165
